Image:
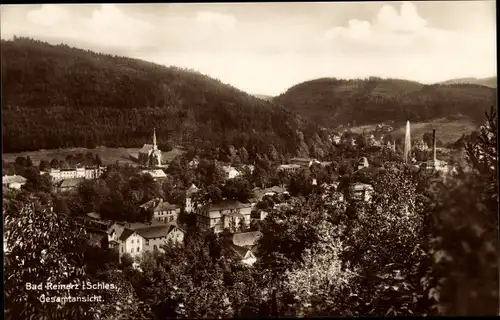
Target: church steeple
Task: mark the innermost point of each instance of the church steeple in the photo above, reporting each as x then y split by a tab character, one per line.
154	138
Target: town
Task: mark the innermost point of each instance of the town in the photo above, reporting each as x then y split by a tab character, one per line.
213	160
237	210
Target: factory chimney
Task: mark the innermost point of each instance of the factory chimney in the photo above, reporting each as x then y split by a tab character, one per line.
434	145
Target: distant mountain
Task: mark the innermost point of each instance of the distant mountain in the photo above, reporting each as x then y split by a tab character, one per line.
59	96
331	102
263	97
489	82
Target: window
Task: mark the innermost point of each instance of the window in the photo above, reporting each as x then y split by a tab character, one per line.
132	240
147	242
137	249
122	249
155	247
132	250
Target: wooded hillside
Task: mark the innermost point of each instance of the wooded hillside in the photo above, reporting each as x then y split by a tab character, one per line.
333	102
59	96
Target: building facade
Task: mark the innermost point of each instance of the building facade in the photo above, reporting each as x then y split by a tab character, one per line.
225	214
137	238
77	173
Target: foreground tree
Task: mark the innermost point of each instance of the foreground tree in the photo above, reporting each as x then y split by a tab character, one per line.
464	278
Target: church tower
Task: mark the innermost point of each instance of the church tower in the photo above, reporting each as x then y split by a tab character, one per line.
155	156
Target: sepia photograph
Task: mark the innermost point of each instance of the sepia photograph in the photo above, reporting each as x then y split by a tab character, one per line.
249	160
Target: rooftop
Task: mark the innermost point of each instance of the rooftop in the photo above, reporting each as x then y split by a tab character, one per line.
245	239
155	173
71	182
13	179
226	205
193	189
148	231
165	206
240	251
146	148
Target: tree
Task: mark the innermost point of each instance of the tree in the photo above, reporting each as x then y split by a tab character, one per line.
97	160
44	165
427	138
64	165
386	241
320	282
243	154
237	189
273	154
47	253
54	163
463	278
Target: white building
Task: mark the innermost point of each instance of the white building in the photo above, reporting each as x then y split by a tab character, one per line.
224	214
289	168
361	192
189	205
231	172
162	210
14	181
83	173
157	174
137	238
243	245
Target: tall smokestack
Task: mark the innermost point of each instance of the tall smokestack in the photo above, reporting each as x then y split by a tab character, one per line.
434	145
407	144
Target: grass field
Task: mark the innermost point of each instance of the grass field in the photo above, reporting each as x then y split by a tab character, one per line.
107	155
446	130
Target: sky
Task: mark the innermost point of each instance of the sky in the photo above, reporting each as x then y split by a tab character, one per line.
265	48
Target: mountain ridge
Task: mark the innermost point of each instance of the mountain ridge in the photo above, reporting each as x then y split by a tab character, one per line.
99	99
331	102
488	82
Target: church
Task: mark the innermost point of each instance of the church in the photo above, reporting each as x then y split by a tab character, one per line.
149	154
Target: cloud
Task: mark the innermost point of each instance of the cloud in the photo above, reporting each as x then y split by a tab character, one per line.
111	26
389	28
48	15
217	20
408	20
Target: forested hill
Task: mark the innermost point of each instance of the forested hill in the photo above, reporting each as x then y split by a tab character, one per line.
488	82
59	96
332	102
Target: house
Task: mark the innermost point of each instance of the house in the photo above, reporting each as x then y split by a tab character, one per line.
162	210
361	192
248	167
260	193
194	163
223	214
94	220
69	184
335	138
289	168
83	172
189	205
246	255
137	238
304	162
231	172
243	245
14	181
157	174
246	239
